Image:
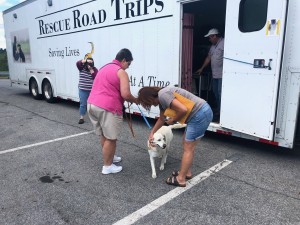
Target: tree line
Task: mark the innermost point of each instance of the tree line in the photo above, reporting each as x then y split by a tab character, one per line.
3	60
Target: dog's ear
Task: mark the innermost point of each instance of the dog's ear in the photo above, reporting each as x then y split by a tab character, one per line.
150	147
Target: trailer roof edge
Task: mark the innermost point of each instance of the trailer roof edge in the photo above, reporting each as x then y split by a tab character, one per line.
18	6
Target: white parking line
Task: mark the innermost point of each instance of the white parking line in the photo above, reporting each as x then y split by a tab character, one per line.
43	143
135	216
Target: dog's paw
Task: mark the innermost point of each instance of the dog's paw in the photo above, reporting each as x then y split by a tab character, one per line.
162	167
154	176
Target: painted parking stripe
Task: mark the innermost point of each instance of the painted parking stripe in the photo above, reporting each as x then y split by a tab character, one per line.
135	216
43	143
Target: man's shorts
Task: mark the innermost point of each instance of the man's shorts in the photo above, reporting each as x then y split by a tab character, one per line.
105	123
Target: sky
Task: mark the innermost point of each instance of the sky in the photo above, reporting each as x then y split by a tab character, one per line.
5	4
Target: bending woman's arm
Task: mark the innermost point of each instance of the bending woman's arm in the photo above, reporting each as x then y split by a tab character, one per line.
159	123
180	110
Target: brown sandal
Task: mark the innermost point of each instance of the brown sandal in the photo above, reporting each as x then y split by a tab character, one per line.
176	173
173	181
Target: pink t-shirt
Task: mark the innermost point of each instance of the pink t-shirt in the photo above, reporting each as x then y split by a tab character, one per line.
106	92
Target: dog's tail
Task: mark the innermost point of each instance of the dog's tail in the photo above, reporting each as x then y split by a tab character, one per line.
177	126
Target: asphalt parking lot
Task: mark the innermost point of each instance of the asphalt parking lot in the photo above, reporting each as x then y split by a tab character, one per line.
51	174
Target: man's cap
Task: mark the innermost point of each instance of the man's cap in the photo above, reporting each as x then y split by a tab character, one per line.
212	32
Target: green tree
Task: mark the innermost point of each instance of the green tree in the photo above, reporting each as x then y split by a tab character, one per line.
3	60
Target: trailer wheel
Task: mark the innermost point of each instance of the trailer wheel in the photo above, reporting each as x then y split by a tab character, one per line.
34	89
48	92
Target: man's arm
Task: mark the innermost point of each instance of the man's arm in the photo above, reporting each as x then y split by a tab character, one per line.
205	64
125	88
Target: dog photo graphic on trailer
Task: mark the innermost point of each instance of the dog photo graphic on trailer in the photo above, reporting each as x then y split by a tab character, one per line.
21	46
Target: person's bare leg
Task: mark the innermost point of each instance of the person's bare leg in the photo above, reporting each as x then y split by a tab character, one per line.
189	173
108	151
186	161
102	140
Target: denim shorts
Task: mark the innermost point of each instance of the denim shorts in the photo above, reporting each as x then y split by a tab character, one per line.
199	123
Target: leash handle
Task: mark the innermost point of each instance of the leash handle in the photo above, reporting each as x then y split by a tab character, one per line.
144	118
130	121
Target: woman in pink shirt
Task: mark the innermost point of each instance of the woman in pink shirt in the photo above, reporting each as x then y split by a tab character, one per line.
110	90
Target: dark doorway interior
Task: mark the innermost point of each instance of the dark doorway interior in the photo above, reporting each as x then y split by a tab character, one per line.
207	14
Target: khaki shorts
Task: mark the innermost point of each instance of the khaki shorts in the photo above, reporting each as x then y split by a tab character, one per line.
105	123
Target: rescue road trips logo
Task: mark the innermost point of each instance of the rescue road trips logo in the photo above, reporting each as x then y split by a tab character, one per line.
83	17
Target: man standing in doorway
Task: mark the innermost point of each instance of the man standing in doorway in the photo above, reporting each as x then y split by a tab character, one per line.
215	58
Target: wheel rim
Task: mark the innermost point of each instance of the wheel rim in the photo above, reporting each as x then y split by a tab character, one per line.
48	91
34	87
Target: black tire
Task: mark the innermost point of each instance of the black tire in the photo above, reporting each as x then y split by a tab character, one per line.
34	89
48	92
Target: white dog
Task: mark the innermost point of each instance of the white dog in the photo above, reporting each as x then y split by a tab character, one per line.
162	141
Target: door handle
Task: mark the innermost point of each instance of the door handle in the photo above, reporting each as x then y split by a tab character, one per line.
269	64
260	63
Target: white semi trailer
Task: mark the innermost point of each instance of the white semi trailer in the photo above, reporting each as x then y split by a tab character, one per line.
261	73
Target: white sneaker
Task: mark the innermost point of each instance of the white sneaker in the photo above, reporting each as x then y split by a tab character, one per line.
117	159
111	169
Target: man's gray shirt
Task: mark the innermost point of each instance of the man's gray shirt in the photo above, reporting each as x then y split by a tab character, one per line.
216	54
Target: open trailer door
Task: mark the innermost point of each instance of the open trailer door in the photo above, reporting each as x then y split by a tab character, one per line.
254	33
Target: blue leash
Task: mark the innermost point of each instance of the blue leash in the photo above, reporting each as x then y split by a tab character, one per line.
145	118
239	61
